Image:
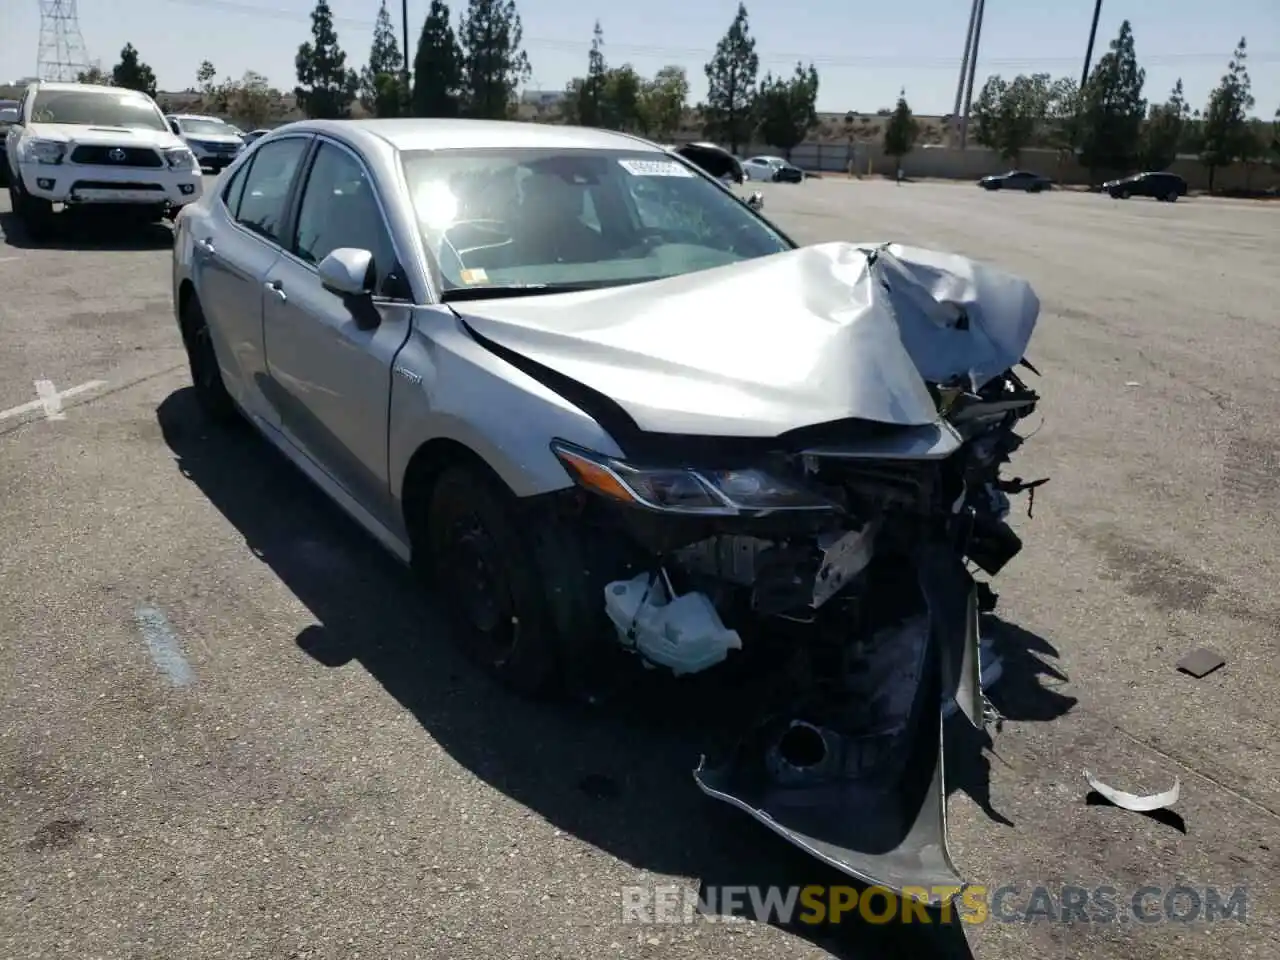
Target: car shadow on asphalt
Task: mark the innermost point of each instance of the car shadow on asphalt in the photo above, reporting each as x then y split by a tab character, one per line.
617	776
88	232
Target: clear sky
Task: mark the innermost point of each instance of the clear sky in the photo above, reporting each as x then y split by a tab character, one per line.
864	52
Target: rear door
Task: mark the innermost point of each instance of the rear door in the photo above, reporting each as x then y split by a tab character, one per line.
331	373
233	250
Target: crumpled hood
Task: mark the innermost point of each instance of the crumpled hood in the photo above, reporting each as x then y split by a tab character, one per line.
83	135
757	348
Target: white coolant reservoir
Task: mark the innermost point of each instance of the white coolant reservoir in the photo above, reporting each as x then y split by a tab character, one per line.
684	634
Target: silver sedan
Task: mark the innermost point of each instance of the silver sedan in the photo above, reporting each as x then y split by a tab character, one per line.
609	409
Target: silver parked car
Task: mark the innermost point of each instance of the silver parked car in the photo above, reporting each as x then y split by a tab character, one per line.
614	412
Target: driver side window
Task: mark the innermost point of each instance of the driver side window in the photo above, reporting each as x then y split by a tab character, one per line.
339	209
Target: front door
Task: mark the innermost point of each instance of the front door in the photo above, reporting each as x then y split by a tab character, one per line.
330	374
230	266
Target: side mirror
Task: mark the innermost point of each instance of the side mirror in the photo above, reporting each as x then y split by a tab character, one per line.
9	115
173	125
348	272
756	201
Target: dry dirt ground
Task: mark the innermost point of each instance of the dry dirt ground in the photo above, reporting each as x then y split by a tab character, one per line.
232	729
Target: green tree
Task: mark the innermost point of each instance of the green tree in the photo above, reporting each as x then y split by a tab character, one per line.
1225	128
249	99
437	66
1164	130
901	131
591	98
381	87
326	88
663	101
132	74
620	103
206	77
94	74
1112	108
1062	116
494	63
986	112
788	108
731	85
1010	114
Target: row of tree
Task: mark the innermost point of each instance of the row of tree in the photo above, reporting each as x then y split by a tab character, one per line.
472	70
739	107
1110	124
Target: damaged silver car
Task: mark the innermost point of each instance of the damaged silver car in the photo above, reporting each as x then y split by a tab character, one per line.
611	411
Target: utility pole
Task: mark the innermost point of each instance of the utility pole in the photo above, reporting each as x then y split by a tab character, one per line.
964	70
404	22
1088	51
973	68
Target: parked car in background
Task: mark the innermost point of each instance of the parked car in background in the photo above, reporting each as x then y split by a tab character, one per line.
8	116
214	143
1016	180
84	144
1160	186
772	169
253	135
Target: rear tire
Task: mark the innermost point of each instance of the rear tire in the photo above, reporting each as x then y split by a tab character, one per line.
211	393
486	571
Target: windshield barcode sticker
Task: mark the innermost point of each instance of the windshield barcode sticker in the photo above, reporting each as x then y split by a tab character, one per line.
655	168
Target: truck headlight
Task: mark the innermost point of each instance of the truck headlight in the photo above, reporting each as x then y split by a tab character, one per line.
45	151
178	157
686	490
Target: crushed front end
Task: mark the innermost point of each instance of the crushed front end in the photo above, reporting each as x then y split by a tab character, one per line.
847	549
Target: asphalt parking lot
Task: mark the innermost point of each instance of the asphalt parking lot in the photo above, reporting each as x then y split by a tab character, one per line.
232	729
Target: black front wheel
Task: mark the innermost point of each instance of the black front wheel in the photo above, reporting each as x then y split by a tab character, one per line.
486	573
206	376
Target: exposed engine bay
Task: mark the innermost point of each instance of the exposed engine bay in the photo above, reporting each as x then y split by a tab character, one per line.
853	541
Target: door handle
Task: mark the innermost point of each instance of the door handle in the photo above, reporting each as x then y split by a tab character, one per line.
275	287
205	247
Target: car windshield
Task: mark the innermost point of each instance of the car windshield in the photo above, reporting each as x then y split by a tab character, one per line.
113	109
574	219
205	127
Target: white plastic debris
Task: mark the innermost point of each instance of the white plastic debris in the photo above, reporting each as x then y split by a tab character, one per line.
684	633
992	671
1134	802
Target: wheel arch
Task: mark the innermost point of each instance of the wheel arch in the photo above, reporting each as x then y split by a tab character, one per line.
429	462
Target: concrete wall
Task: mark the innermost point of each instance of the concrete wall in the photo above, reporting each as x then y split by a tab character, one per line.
974	162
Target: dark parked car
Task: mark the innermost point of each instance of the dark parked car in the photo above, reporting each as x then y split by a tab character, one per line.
8	114
1161	186
718	162
1016	180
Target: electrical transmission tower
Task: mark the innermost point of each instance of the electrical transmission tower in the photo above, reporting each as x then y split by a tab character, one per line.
62	54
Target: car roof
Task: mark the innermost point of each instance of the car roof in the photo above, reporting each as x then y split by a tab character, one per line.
410	134
58	87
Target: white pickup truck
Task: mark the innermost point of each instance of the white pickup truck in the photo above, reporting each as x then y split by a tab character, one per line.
72	144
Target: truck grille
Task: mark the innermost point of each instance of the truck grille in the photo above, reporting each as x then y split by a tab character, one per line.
110	156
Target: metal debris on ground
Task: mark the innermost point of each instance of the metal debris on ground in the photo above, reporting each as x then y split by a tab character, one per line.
1133	801
1201	662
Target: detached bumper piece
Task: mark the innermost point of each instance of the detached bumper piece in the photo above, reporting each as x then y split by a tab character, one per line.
859	784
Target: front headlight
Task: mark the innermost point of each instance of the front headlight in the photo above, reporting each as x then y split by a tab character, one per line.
45	151
686	490
178	157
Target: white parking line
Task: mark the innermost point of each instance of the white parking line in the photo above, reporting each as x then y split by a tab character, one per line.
9	259
50	399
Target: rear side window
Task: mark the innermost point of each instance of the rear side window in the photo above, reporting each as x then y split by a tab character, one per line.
232	192
261	204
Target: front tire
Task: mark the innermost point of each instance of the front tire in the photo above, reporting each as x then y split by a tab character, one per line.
36	214
206	376
486	571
